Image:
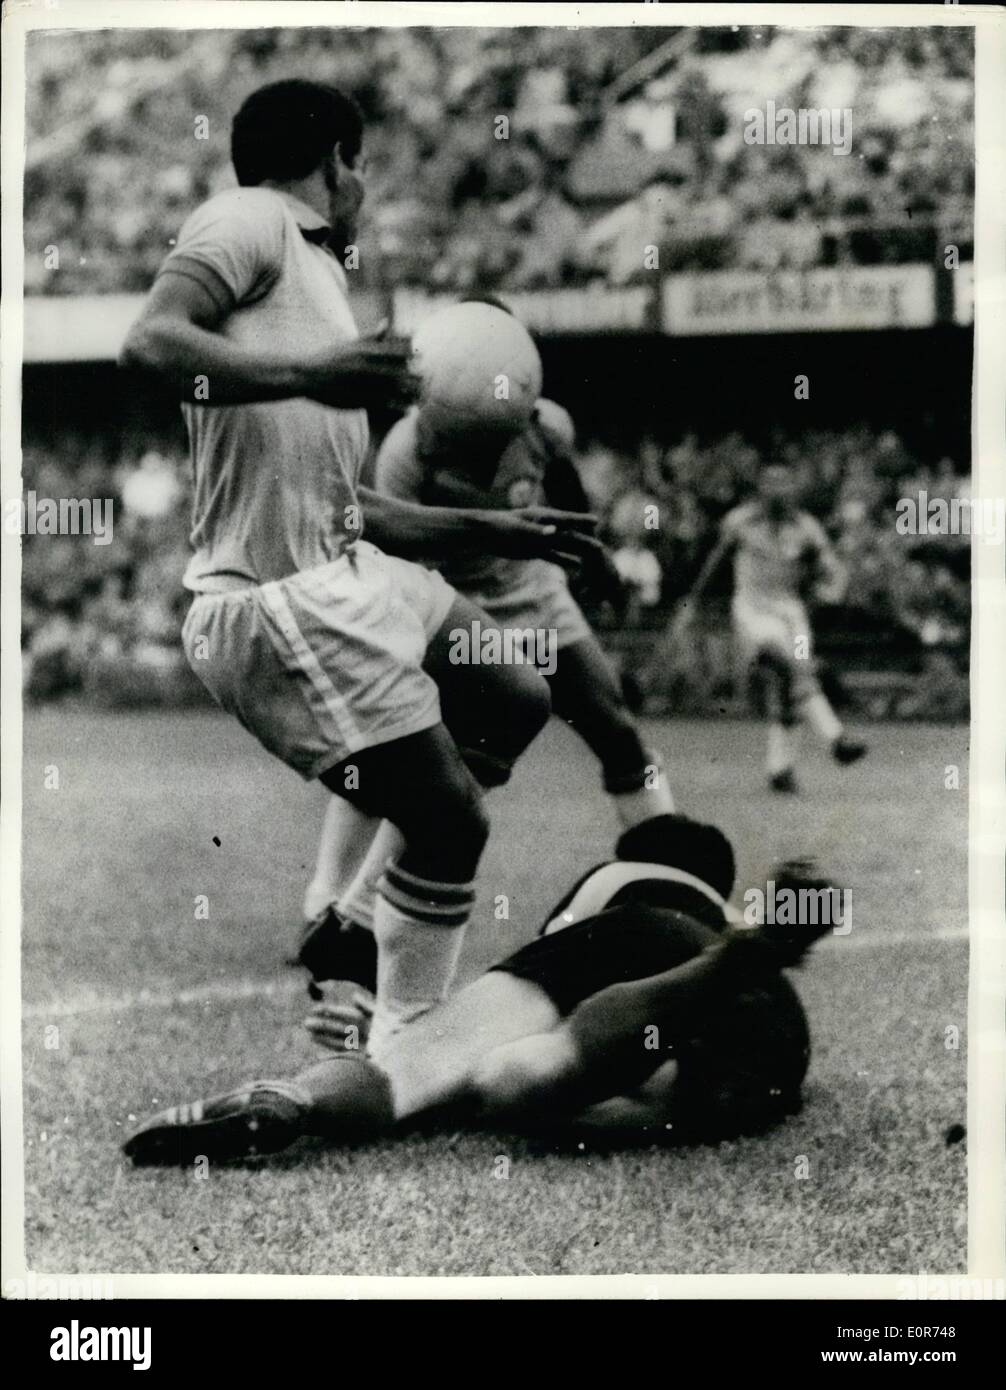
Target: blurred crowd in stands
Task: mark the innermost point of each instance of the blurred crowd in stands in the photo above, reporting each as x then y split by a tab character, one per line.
105	619
511	159
516	158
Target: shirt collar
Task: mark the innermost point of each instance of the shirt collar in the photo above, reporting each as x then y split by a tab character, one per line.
311	223
596	891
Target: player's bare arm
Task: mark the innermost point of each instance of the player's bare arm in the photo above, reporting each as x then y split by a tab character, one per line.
830	577
725	544
645	1108
450	490
177	338
410	529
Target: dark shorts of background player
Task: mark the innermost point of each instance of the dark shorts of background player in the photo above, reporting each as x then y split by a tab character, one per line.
741	1072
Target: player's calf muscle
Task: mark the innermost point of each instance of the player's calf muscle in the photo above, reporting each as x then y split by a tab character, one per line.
620	751
584	693
449	842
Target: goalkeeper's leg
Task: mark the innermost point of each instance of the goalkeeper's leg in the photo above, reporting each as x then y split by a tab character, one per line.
348	1098
614	1040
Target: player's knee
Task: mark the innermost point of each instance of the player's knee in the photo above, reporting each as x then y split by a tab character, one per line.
524	1075
773	685
773	666
805	686
530	701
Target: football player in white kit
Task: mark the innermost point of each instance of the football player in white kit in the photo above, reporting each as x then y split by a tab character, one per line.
332	652
780	553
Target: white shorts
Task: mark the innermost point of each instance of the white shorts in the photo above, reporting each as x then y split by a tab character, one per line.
540	599
779	627
327	661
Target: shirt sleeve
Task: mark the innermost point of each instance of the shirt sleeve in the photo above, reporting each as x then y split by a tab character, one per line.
399	471
233	245
832	576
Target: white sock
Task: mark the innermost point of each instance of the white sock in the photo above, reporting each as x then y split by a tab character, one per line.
781	753
358	902
821	717
346	836
419	925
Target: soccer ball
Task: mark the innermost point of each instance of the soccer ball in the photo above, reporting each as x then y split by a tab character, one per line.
480	370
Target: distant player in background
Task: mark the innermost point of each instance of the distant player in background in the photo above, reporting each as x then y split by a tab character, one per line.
638	1011
426	462
781	555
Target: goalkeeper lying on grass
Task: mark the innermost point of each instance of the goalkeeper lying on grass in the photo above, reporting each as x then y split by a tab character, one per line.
639	1009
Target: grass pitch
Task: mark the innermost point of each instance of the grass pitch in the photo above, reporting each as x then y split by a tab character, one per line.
151	1004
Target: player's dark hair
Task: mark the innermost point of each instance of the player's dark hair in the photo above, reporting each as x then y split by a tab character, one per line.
682	843
286	129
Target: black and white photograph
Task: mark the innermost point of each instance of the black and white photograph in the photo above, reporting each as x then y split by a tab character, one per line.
503	780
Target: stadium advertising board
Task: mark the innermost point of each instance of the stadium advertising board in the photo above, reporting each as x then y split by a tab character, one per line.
588	310
792	301
90	328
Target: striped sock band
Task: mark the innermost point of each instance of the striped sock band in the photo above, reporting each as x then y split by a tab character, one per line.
415	965
425	900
